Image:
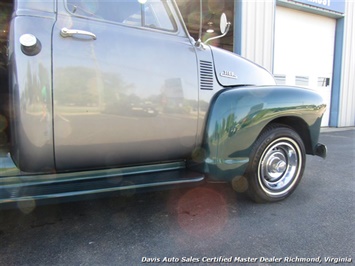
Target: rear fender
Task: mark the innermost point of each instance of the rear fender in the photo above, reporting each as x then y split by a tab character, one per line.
238	115
31	108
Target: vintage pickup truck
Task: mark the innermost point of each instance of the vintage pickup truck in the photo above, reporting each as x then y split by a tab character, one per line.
103	96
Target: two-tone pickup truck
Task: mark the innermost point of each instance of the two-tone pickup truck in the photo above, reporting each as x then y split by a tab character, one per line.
103	96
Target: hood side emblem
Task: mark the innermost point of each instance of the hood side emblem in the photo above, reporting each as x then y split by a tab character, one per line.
228	74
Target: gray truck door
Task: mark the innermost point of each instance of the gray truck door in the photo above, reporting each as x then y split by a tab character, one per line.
125	87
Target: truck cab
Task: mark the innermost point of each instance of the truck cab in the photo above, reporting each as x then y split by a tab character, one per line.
95	90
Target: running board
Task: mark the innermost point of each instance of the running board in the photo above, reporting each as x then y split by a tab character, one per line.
24	188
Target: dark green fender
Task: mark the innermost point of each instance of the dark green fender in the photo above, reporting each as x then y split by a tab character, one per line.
238	115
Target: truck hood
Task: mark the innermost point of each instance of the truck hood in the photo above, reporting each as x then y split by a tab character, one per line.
233	70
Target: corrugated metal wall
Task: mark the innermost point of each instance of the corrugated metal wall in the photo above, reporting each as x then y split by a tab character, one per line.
347	91
257	42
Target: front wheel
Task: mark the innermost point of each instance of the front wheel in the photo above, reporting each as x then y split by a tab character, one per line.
277	164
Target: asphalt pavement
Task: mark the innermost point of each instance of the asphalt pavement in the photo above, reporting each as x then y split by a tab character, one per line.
208	224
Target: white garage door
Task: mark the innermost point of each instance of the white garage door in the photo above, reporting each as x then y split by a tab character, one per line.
304	47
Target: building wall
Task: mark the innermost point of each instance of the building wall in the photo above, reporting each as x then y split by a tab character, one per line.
254	40
347	89
257	32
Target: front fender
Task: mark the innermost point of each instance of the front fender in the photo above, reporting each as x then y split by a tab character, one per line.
238	115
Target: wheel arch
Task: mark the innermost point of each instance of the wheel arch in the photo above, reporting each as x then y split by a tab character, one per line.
299	126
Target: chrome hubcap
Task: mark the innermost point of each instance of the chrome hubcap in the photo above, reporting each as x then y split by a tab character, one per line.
275	166
279	166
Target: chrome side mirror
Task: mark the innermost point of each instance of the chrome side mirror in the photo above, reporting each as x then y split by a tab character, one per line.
224	26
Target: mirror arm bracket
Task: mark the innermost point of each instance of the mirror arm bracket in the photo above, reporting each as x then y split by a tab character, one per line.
219	36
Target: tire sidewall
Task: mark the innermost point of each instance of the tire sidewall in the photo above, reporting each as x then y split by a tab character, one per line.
272	135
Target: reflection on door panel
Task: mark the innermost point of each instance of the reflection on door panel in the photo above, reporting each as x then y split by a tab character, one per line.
122	98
